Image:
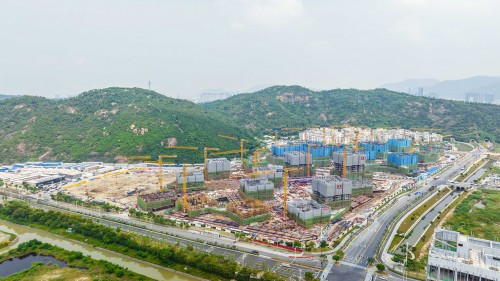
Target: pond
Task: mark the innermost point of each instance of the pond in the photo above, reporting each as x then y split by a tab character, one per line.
18	264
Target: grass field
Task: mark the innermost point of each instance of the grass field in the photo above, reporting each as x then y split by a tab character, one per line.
422	209
463	146
478	214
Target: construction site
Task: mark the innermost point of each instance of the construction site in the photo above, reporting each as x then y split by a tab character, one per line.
287	190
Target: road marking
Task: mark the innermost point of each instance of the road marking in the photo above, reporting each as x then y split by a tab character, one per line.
353	265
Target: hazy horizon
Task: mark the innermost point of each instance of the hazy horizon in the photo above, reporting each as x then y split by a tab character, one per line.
52	48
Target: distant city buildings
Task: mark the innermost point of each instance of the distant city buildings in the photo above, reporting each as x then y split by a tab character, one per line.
477	97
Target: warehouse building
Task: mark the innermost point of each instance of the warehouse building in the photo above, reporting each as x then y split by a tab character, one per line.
261	189
457	257
308	212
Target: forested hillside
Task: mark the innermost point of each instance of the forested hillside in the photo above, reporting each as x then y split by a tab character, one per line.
107	125
293	106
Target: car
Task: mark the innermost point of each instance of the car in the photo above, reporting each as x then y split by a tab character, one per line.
382	277
287	265
255	252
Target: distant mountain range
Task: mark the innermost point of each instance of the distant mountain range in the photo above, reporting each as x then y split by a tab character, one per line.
451	89
111	124
296	106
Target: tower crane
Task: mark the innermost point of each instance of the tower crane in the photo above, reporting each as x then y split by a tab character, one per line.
356	142
241	146
256	158
344	164
160	167
184	183
141	157
205	156
285	187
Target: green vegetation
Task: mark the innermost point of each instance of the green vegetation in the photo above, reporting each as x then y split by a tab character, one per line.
339	255
380	267
422	209
93	268
107	125
105	206
471	170
463	146
295	106
478	214
6	238
185	259
418	251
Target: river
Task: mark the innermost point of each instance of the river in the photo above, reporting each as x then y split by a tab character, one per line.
25	234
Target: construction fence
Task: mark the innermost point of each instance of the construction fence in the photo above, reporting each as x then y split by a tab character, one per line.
230	215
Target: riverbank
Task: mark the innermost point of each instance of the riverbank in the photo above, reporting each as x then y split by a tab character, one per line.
183	259
80	267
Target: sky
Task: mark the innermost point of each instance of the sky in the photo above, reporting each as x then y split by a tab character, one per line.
186	47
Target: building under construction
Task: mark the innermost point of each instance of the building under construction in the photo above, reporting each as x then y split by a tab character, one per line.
218	168
355	162
194	181
332	190
261	189
156	201
299	159
276	178
308	212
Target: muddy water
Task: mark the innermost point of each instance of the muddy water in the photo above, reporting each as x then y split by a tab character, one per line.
26	234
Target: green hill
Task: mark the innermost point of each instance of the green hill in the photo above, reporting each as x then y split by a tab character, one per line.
106	125
295	106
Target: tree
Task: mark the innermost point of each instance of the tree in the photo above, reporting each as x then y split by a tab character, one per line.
371	260
297	244
338	256
323	244
308	276
380	267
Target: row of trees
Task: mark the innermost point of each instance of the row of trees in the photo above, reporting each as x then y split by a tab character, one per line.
165	254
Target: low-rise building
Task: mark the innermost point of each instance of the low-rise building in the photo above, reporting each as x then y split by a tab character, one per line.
457	257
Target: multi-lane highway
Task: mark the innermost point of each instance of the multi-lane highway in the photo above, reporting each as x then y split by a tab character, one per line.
242	253
365	244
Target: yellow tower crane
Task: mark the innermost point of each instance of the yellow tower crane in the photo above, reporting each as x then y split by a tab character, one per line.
344	164
160	167
324	136
256	159
285	187
241	146
308	157
205	156
184	182
141	157
236	151
356	142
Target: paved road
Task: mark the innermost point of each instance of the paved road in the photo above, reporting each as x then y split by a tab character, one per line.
365	244
199	241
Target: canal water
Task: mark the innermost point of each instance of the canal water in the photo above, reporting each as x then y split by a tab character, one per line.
26	234
15	265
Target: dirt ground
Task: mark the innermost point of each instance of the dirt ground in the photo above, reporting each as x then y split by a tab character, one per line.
114	188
